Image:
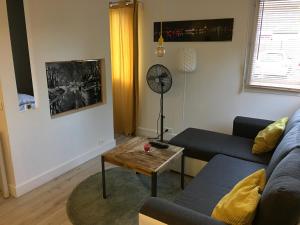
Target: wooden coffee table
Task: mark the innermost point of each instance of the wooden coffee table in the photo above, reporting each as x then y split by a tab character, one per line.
131	155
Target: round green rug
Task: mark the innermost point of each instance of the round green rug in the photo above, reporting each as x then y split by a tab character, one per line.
126	192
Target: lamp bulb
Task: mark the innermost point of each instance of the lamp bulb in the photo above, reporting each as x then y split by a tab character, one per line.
160	51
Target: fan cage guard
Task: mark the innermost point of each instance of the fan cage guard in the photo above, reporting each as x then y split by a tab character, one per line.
155	75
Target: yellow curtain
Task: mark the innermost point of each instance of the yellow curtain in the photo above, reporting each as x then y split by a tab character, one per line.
123	77
136	58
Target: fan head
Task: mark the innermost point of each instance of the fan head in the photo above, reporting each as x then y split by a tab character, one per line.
159	79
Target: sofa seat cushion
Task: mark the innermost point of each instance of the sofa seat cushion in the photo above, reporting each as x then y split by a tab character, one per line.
214	181
203	144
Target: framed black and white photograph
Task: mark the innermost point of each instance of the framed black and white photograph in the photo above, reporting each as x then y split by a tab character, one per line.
195	30
74	85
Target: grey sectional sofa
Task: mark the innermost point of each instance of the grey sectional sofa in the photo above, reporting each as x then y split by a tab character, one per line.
230	160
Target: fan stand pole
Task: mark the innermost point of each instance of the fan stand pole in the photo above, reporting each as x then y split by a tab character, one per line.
162	113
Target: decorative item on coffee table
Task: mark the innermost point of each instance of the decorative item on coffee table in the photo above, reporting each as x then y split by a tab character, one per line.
132	155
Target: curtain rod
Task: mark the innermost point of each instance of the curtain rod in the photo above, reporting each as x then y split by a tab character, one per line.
123	3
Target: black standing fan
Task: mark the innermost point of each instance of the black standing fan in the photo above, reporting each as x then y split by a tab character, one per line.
159	80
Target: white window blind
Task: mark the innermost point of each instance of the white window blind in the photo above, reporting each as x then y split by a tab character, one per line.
276	54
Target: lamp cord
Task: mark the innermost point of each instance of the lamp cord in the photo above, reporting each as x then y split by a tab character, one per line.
184	99
158	119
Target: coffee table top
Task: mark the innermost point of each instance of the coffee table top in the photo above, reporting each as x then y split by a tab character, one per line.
132	155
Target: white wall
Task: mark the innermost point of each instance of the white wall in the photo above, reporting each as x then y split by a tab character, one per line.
43	148
213	95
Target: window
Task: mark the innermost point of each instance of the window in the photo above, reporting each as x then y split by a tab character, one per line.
275	60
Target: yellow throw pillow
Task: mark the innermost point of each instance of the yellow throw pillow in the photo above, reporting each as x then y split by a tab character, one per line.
239	205
267	138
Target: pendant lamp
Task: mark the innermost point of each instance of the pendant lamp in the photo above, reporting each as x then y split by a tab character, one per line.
160	49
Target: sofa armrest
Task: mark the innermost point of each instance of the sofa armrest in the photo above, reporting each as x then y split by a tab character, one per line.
172	214
248	127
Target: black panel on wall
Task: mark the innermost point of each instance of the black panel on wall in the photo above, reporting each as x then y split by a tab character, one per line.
19	43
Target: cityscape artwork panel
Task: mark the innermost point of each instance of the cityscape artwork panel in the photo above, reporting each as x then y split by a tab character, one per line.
73	85
195	30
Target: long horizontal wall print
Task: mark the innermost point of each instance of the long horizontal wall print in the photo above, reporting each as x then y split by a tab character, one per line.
195	30
73	85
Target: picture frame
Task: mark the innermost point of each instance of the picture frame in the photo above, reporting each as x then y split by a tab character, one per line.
74	85
213	30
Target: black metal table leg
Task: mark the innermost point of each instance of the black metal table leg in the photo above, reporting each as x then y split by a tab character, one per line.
103	177
182	171
154	185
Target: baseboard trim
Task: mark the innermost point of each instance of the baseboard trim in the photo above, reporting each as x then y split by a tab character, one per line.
53	173
146	132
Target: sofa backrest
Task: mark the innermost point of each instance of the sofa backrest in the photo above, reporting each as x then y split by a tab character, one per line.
293	121
280	200
289	141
